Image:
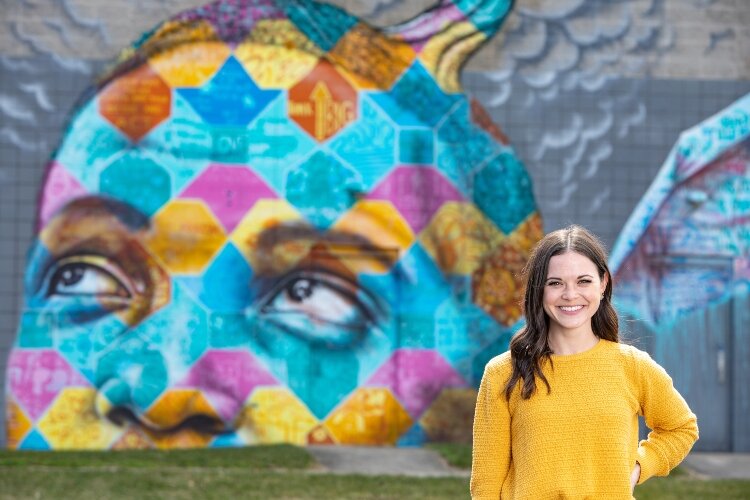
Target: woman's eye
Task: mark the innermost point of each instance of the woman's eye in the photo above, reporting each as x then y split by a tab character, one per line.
80	278
320	307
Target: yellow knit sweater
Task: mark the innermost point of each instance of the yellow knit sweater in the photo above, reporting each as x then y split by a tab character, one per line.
580	440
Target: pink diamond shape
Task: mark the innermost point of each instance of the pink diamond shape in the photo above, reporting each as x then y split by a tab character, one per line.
416	377
59	188
230	191
417	192
35	377
227	378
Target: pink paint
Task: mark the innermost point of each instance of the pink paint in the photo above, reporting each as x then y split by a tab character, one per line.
230	191
227	378
417	193
60	188
424	27
416	377
36	377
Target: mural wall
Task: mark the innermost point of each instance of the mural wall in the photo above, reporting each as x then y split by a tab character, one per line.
274	221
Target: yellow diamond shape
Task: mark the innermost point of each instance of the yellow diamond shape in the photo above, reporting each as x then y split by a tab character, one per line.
275	415
276	54
379	224
72	423
459	237
191	63
185	236
259	237
371	416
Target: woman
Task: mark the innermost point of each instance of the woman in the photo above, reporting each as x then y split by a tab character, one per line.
557	415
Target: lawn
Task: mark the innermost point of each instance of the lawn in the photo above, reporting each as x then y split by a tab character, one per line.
678	485
278	472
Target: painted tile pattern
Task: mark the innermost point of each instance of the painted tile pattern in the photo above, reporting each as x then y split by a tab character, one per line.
272	222
685	247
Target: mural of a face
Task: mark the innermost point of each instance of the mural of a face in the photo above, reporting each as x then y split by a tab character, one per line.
271	222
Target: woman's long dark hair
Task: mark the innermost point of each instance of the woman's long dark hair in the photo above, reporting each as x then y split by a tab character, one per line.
529	348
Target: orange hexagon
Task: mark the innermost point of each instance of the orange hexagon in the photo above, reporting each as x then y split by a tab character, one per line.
254	237
445	53
372	60
323	102
459	237
17	424
451	415
371	416
185	236
276	54
136	102
191	64
275	415
72	423
380	223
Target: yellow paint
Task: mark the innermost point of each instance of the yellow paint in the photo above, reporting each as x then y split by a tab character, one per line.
368	59
279	256
17	424
192	63
445	53
380	223
185	236
371	416
71	422
176	406
459	237
275	415
276	54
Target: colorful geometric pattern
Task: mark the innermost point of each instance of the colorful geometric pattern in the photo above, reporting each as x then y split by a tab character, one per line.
273	222
685	246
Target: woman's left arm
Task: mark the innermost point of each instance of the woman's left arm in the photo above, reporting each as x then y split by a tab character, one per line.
674	428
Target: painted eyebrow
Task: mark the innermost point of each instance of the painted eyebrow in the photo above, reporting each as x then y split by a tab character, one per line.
356	243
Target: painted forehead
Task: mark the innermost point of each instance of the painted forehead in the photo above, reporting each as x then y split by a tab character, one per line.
269	119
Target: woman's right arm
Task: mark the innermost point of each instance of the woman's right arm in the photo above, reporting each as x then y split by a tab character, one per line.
491	449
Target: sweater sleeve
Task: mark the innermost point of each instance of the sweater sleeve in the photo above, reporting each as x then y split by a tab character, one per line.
674	427
491	449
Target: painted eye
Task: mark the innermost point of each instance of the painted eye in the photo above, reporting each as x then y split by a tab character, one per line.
81	277
321	307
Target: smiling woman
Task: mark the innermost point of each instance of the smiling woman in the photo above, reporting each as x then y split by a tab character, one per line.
578	438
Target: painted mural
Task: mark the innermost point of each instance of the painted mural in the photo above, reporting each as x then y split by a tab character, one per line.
272	222
687	244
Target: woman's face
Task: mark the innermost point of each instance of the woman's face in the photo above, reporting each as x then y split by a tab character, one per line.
572	293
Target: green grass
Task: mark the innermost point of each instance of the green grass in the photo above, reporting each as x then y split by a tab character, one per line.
680	484
256	457
279	472
457	455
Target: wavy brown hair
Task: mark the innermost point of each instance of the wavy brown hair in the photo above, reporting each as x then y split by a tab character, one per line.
529	348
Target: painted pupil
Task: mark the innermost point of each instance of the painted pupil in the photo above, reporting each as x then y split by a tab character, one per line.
72	274
300	290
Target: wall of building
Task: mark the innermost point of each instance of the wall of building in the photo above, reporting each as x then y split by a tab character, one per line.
592	95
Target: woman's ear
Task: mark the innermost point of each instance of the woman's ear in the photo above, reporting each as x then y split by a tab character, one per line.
605	280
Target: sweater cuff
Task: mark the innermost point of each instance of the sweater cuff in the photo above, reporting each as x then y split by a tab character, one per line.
647	464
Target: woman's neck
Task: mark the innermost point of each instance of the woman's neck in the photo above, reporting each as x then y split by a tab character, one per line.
564	343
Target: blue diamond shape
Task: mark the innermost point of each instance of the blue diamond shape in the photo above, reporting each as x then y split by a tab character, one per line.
230	97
